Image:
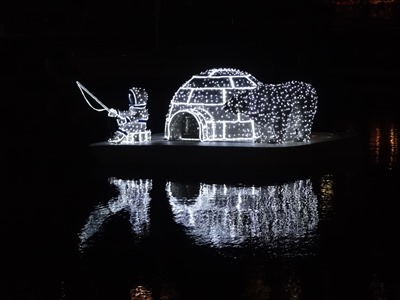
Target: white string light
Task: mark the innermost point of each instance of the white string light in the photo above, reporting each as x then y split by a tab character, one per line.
227	104
132	123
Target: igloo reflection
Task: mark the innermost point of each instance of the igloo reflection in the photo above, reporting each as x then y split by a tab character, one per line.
133	198
221	215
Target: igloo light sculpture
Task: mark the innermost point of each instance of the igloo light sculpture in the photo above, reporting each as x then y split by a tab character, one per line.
225	104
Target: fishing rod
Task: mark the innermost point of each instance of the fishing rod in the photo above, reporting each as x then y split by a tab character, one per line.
82	88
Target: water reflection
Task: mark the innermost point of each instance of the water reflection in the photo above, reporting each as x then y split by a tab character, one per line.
374	9
258	241
384	142
141	293
223	215
325	195
133	198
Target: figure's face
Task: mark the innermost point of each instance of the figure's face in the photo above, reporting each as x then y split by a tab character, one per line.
121	121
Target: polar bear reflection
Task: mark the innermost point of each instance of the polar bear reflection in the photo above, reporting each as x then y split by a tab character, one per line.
133	197
222	215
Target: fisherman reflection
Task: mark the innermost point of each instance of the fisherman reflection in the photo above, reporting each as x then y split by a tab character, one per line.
133	198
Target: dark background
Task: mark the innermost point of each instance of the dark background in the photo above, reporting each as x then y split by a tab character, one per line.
348	50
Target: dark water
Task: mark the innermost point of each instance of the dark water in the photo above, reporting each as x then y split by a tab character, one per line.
73	230
330	235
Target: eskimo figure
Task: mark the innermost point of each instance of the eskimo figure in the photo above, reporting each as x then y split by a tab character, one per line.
132	123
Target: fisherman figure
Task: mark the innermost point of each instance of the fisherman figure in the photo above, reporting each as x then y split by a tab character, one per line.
132	123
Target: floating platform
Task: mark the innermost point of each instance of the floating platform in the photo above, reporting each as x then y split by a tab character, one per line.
160	156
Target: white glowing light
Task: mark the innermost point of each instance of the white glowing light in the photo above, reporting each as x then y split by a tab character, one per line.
132	123
222	215
231	105
134	197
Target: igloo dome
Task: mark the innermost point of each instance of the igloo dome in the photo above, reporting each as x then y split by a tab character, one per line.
197	112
